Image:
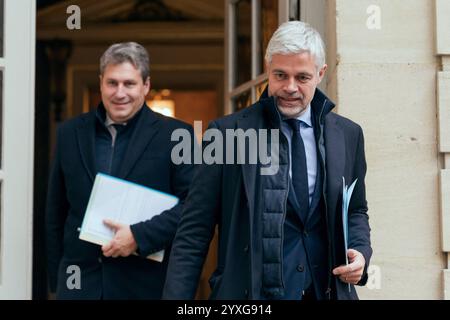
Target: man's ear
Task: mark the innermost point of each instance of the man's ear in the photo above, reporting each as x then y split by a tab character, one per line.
322	72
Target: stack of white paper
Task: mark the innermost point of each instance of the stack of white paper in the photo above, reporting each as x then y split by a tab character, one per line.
122	201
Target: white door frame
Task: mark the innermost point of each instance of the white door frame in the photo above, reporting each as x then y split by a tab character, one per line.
16	173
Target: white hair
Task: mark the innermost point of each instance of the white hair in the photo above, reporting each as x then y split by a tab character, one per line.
295	37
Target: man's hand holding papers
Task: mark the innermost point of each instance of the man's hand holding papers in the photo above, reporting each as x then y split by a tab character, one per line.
352	272
123	244
114	205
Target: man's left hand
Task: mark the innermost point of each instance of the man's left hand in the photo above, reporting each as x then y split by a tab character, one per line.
123	244
352	272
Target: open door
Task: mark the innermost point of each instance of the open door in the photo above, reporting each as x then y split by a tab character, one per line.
249	24
17	48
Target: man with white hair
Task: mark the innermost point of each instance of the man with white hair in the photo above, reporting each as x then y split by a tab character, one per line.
281	235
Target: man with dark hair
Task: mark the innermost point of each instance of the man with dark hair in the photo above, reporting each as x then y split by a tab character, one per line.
125	139
281	234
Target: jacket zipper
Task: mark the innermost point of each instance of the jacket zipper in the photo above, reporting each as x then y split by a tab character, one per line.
284	214
111	157
322	157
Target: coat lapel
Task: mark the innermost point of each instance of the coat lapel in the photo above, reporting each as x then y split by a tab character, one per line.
335	164
86	143
249	171
251	186
146	127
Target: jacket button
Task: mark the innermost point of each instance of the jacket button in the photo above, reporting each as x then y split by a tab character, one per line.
246	293
300	268
100	260
246	248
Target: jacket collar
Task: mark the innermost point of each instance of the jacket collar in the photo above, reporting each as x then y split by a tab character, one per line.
146	124
321	105
102	118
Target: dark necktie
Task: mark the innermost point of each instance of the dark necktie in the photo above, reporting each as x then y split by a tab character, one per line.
119	127
299	169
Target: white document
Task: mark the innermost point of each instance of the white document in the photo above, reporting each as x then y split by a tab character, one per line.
346	196
122	201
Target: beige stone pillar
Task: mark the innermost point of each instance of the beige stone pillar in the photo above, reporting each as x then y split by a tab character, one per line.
383	71
442	9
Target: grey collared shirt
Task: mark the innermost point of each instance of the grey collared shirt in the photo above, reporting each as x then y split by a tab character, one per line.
109	125
309	140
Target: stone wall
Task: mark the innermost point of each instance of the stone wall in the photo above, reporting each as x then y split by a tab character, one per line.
385	75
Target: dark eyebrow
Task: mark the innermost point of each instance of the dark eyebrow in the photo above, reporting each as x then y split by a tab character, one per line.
305	74
299	74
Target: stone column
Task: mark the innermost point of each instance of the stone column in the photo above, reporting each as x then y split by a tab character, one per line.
383	76
442	9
